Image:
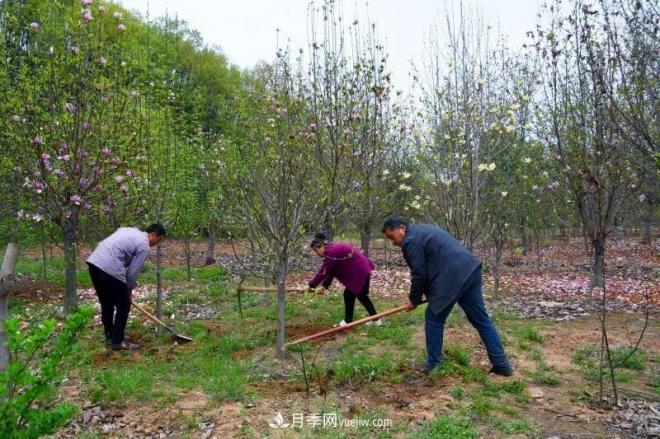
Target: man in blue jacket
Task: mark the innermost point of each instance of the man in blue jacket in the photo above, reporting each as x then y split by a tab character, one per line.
446	273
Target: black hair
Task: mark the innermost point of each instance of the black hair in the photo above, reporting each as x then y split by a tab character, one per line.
395	221
320	239
157	228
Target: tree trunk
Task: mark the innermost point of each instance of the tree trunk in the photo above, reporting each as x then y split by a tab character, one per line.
365	241
210	247
537	235
70	282
281	309
598	269
525	239
496	270
44	268
646	229
188	257
6	275
159	282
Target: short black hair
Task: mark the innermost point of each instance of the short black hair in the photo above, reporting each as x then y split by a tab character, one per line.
395	221
320	239
157	228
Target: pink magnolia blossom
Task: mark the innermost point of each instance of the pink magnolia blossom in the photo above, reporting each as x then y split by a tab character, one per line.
86	2
75	199
105	152
34	25
74	50
58	172
117	15
20	213
119	179
87	206
115	161
16	118
65	157
102	61
37	141
121	27
87	126
39	186
87	16
83	183
37	217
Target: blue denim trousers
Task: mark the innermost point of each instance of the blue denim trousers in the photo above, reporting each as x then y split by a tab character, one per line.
471	300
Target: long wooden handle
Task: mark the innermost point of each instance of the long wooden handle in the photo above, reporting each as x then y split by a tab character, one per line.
349	325
152	317
269	289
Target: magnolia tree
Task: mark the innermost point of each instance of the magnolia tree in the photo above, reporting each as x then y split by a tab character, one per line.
76	118
592	156
468	117
586	99
273	177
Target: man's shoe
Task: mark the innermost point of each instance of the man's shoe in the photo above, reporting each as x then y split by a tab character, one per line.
341	324
377	323
125	346
505	372
108	341
425	368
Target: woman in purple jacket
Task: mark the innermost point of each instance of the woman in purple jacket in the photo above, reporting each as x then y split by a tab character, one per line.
353	269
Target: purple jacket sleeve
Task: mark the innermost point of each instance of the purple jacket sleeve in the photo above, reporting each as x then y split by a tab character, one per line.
324	275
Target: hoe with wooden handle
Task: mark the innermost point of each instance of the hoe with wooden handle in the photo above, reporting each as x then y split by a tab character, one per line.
349	325
155	319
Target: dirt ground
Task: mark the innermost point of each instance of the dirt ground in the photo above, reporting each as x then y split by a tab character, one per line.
554	278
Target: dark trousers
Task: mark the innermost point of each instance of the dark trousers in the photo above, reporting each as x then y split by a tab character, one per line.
471	299
363	297
113	295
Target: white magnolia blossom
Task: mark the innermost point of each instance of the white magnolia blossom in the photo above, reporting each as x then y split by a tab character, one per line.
487	167
527	160
504	193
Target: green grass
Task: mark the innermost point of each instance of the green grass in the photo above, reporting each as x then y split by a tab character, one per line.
495	389
456	361
33	268
588	358
526	332
458	392
447	427
545	375
516	426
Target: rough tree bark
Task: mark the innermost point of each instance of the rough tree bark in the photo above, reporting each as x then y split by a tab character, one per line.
6	275
210	247
281	309
71	225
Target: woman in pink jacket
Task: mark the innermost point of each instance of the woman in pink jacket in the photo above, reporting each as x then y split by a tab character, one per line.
353	269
